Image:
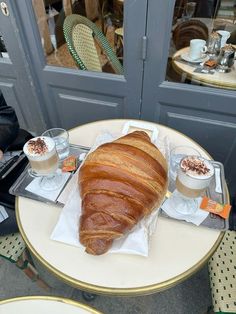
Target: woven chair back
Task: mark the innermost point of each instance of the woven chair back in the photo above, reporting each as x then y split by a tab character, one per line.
11	246
82	37
81	42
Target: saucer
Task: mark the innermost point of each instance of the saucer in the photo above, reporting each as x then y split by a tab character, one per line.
187	58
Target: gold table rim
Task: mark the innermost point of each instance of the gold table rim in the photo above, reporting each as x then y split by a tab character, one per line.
136	291
52	298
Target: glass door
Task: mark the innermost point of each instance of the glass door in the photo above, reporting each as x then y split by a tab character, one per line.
68	31
15	81
87	56
3	49
203	44
194	94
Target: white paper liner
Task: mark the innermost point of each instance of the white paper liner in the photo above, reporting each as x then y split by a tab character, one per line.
174	200
52	195
67	227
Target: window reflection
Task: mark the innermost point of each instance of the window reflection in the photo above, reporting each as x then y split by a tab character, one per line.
203	43
106	15
3	49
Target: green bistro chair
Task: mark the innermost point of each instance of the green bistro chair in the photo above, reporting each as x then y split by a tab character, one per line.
13	249
12	246
222	271
81	35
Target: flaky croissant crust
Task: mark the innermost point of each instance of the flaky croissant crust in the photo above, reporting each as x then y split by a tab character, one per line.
120	183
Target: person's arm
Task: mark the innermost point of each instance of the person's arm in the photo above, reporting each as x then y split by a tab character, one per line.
9	125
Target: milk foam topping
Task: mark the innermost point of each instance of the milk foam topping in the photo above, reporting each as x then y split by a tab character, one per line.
39	148
195	172
197	167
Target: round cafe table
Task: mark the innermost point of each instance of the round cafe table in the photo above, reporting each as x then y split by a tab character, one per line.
44	305
220	80
177	249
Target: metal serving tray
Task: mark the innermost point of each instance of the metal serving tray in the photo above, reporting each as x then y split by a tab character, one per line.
212	220
18	188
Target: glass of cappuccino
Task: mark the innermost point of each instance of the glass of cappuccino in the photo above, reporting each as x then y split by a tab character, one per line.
193	178
43	158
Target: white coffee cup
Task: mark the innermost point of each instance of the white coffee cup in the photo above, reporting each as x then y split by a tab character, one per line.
197	48
224	36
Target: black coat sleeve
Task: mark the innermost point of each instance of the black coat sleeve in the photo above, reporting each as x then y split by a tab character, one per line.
9	125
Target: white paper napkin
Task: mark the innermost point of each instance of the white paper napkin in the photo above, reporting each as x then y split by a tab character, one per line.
67	229
169	208
102	138
34	187
3	214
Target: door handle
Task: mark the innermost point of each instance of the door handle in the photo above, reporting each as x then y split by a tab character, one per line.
4	8
144	48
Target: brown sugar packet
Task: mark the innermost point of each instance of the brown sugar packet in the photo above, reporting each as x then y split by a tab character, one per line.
69	164
215	208
210	64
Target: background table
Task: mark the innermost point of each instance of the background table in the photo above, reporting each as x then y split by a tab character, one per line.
44	305
177	249
222	80
218	23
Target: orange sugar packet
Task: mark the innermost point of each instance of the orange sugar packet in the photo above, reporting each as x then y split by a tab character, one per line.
215	208
69	164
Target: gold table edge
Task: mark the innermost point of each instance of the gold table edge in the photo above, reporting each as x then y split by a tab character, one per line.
138	291
52	298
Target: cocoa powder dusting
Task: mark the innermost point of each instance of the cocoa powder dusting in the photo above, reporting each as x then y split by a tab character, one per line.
195	165
38	146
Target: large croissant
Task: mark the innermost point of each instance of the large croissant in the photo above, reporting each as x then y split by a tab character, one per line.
120	183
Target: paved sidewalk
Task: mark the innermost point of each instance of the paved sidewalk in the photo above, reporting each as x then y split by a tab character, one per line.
190	297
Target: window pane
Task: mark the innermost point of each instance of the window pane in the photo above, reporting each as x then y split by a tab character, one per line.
3	49
70	40
203	43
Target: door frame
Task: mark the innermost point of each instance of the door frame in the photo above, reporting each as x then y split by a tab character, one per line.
54	83
156	90
187	108
16	82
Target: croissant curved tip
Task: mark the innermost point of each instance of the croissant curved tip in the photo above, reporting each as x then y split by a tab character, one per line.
98	246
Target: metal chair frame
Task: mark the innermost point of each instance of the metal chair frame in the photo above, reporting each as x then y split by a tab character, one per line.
222	273
74	19
13	249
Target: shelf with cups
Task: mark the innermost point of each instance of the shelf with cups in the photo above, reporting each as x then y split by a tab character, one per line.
227	10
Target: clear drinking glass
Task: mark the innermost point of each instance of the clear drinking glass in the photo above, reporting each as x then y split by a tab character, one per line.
213	44
61	139
226	59
43	158
193	177
189	10
176	154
